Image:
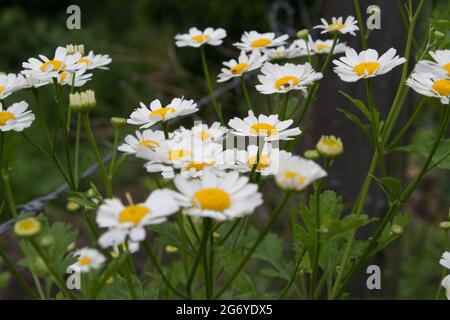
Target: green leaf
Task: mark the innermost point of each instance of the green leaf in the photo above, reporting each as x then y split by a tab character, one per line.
365	128
118	290
391	187
271	251
359	104
4	278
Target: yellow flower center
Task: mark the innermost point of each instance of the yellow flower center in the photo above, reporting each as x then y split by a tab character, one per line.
198	166
63	76
239	68
264	128
278	53
151	144
5	116
2	89
28	225
366	68
55	65
330	142
260	43
212	199
204	135
201	38
321	46
162	112
263	162
291	175
133	213
286	81
447	68
85	261
442	86
178	154
336	26
85	60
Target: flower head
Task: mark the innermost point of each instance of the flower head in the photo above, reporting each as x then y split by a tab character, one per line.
94	61
324	46
264	160
440	64
446	284
146	117
430	85
214	132
366	64
77	78
244	64
277	78
147	139
82	101
16	117
294	50
296	173
129	221
27	227
196	38
252	40
445	260
10	83
269	127
338	25
87	259
224	197
330	146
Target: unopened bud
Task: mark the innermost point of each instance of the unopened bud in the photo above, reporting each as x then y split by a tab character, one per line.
311	154
439	35
445	225
72	206
396	229
118	122
74	48
82	101
302	34
330	146
171	249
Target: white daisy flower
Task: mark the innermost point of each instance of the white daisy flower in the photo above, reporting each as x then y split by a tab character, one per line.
445	260
430	85
296	173
339	25
10	83
66	78
245	63
202	131
446	284
128	222
145	117
29	81
367	64
266	165
324	46
294	50
440	65
16	117
205	156
253	40
46	68
94	61
147	139
277	78
88	259
196	38
219	197
267	126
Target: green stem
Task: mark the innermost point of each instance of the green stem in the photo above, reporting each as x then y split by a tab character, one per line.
152	257
284	106
293	276
183	238
41	115
165	127
111	271
209	84
261	236
77	151
245	93
9	194
18	276
360	24
128	273
93	143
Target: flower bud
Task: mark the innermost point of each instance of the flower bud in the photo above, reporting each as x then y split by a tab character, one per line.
311	154
396	229
72	206
47	241
118	122
445	225
27	227
439	35
302	34
82	101
330	146
74	48
171	249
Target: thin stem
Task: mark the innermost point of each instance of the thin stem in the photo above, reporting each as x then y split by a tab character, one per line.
248	101
128	272
316	256
165	127
293	276
261	236
41	115
360	24
183	238
284	106
210	87
152	257
76	159
9	194
110	272
93	143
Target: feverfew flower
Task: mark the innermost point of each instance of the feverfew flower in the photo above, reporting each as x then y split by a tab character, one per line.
324	46
296	173
268	126
67	78
205	156
446	284
16	117
145	117
445	260
82	101
277	78
128	222
430	85
245	63
367	64
339	25
202	131
294	50
257	41
27	227
88	259
94	61
224	197
440	65
46	68
196	38
147	139
266	163
10	83
330	146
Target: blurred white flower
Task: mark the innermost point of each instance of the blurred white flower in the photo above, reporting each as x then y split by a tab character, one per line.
94	61
88	259
339	25
10	83
202	131
196	38
430	85
16	117
440	65
253	40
